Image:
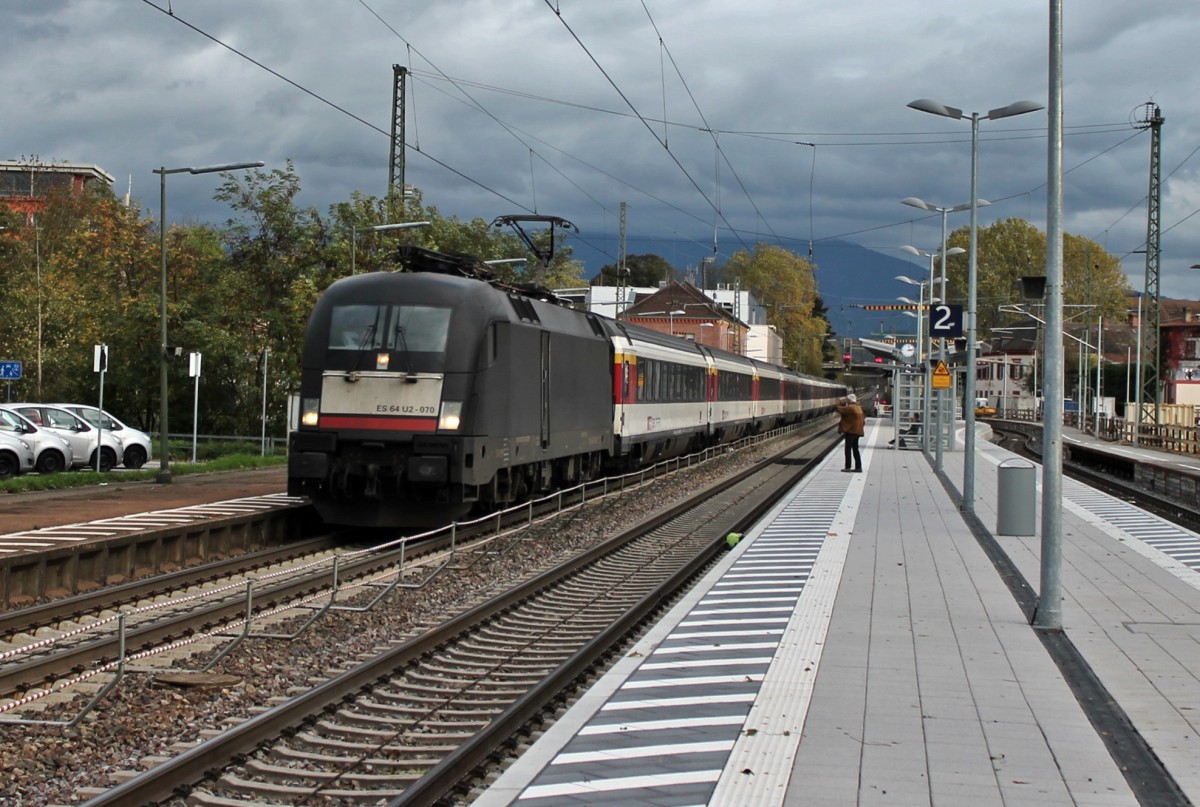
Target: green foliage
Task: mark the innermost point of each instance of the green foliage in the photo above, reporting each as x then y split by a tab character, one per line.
1013	248
90	272
783	283
643	270
76	479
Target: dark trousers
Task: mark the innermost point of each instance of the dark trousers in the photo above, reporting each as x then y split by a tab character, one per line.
852	451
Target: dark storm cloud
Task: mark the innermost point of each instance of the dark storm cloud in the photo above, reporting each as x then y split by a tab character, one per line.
122	84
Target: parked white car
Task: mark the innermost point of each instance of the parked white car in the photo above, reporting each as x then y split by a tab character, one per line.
16	456
51	453
137	444
74	429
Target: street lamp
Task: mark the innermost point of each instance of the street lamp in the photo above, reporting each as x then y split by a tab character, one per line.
164	473
941	342
378	228
669	314
936	108
913	201
923	351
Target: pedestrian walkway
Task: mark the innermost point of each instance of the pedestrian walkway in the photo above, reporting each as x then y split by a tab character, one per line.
902	670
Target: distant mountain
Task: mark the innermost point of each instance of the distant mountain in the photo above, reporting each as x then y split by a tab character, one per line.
850	276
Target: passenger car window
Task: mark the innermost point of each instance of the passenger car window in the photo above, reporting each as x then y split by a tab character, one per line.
61	420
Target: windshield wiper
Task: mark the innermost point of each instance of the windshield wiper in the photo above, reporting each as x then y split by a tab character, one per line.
410	374
368	337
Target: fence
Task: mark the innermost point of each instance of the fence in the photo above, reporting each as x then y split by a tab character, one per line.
1177	437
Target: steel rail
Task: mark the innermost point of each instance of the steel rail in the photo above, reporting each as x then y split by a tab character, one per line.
178	774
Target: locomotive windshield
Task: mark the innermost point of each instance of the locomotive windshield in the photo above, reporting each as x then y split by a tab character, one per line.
406	328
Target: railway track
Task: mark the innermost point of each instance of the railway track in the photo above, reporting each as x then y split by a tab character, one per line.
1173	512
419	721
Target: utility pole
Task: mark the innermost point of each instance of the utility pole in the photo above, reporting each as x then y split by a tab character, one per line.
396	161
1149	389
622	272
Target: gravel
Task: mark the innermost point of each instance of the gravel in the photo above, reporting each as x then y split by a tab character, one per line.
143	718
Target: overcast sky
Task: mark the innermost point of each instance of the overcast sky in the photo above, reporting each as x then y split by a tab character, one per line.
776	120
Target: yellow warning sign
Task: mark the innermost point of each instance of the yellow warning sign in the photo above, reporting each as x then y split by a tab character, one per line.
941	376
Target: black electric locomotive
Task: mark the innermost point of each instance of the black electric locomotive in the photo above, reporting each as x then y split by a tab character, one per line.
426	393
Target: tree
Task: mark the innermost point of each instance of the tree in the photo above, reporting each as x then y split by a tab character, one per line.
643	270
241	295
1093	283
783	283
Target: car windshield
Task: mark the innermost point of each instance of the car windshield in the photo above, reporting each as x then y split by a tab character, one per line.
98	419
61	419
12	423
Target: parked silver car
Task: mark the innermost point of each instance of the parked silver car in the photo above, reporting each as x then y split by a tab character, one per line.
137	443
16	456
83	438
51	453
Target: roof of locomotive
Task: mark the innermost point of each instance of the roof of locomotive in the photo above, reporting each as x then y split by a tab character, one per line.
456	279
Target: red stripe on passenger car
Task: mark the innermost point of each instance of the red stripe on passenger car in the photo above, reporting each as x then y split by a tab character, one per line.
378	423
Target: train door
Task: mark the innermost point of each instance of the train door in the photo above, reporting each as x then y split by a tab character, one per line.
545	418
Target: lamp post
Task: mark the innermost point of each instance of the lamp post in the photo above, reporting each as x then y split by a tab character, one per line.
936	108
913	201
944	253
379	228
923	344
670	315
164	473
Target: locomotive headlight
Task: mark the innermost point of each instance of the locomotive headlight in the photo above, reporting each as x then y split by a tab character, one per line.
310	411
451	417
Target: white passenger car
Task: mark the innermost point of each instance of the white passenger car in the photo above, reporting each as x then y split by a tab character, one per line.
136	443
74	429
16	456
51	453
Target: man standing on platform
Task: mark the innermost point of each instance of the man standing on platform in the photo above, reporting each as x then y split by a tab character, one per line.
852	426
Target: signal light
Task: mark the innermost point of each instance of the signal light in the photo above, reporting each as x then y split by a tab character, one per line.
879	359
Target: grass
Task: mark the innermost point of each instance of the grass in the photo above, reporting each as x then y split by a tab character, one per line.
75	479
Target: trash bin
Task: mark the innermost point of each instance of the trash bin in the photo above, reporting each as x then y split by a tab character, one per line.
1016	508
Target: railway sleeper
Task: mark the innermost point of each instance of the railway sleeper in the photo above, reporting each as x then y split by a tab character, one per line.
496	646
285	773
437	690
496	670
406	698
536	625
438	722
434	682
200	798
472	662
516	658
284	753
386	737
293	793
424	743
419	709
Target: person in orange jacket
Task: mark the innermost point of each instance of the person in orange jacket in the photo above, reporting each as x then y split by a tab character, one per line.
852	426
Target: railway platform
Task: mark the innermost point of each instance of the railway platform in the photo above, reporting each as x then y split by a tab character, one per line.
869	643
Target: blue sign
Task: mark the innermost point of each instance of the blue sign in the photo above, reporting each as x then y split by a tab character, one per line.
10	370
945	321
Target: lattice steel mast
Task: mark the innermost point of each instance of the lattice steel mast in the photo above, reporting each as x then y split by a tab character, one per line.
396	157
1150	388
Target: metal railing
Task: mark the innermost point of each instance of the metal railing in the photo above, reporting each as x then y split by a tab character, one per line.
1175	438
